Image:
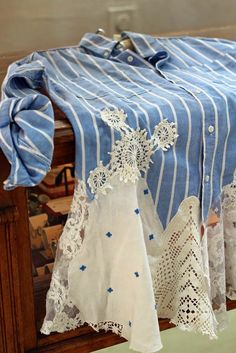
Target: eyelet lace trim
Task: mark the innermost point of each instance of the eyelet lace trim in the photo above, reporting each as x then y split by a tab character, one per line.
132	154
180	283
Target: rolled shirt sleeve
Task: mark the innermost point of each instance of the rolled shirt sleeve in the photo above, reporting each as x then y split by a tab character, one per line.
26	127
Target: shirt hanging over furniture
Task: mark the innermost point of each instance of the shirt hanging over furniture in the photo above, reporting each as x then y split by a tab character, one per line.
155	159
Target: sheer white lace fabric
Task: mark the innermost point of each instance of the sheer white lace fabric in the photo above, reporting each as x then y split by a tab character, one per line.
122	276
229	222
61	313
100	283
117	269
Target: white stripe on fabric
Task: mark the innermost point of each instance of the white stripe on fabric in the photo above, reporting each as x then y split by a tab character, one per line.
44	107
5	142
86	105
101	83
177	57
83	168
33	151
174	149
94	79
146	42
18	119
95	44
38	170
117	82
183	53
216	130
44	116
228	126
196	51
189	126
76	119
15	180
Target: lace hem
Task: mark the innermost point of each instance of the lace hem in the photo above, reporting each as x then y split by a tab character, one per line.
61	313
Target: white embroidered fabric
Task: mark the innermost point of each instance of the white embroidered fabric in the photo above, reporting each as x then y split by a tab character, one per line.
180	281
117	269
229	222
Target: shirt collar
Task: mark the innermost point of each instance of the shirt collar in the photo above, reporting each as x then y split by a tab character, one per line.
146	46
98	45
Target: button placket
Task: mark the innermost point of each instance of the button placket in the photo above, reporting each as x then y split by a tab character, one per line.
208	145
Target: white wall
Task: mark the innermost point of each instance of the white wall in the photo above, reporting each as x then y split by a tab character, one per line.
37	24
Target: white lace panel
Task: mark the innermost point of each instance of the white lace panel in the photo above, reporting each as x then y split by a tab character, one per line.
61	313
216	255
187	291
229	222
180	283
109	279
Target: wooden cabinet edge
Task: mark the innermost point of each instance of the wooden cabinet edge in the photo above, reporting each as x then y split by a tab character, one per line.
17	318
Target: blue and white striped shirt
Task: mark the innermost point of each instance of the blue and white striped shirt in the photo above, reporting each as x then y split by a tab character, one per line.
189	81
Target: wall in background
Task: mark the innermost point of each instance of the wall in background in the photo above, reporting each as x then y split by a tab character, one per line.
38	24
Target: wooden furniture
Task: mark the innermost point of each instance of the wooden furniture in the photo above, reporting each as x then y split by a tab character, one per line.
22	297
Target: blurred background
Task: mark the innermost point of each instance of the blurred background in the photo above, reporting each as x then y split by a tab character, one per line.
40	24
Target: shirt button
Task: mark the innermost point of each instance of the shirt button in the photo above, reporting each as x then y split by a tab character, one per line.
198	90
130	59
207	178
211	129
106	54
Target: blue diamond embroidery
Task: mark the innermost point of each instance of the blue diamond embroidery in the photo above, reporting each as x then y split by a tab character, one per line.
151	237
137	210
82	268
109	234
110	290
145	192
130	323
136	274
